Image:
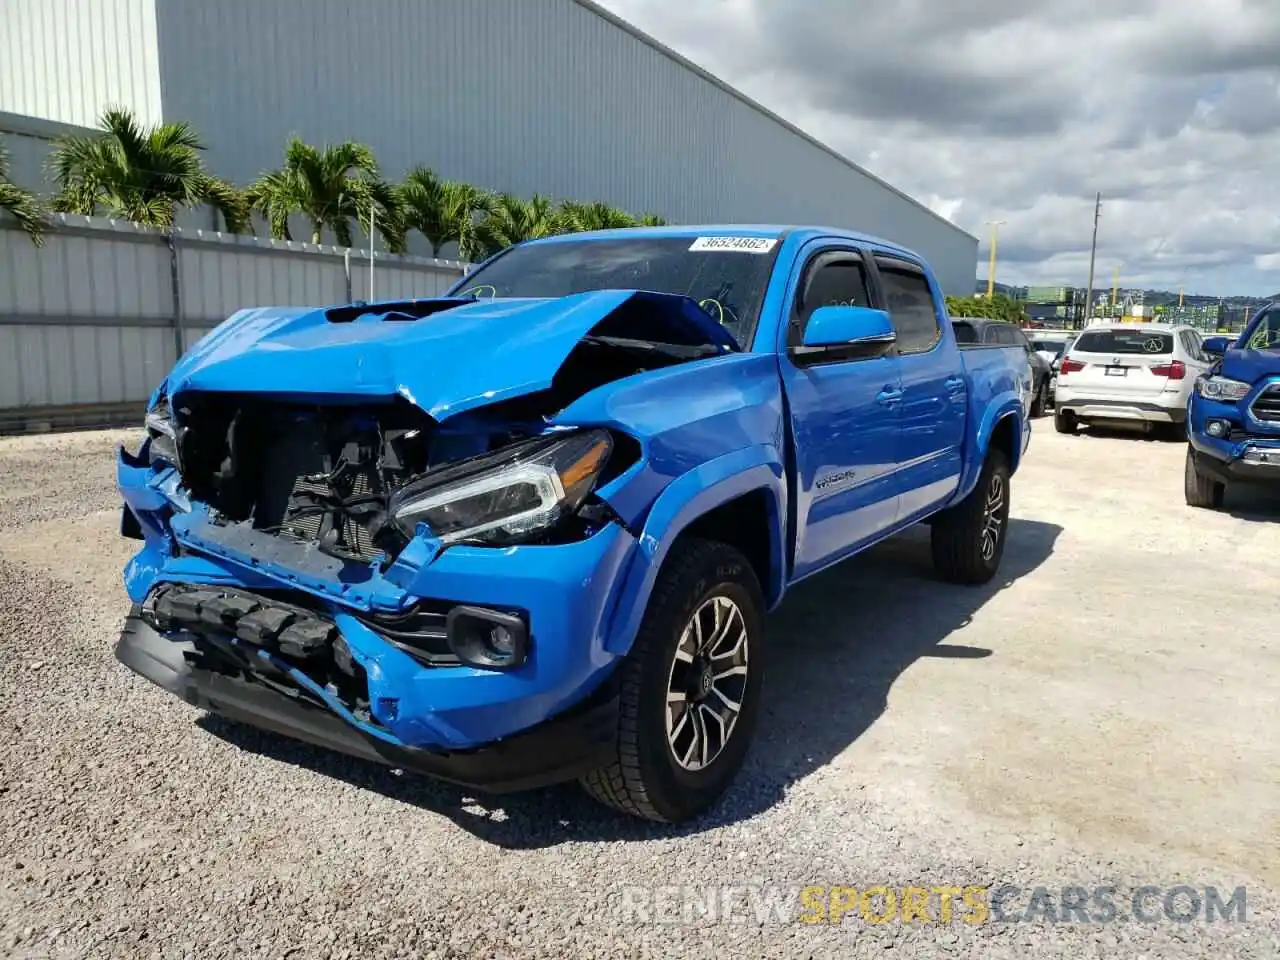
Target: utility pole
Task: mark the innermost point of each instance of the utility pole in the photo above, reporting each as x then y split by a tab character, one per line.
1093	252
991	268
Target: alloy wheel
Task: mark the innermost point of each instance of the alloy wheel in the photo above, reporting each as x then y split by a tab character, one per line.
707	683
992	519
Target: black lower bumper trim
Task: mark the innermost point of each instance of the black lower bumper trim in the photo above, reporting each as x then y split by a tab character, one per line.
562	748
1236	470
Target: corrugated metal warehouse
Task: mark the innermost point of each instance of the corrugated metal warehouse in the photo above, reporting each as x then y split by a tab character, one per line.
550	96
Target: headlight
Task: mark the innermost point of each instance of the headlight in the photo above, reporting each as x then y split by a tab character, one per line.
506	496
164	444
1222	388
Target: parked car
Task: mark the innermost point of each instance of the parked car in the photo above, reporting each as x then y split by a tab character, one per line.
1129	373
1234	415
980	331
1052	345
527	531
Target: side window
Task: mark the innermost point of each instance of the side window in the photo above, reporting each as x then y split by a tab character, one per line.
1009	336
836	278
910	304
991	334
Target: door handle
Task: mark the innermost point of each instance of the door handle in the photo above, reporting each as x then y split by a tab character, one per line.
955	383
889	396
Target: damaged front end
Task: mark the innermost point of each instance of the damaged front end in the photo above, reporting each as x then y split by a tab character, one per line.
389	565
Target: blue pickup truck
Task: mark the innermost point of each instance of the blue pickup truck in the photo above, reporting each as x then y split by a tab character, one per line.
527	531
1233	416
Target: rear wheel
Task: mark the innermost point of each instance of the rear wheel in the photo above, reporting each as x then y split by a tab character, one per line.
1201	490
968	539
690	687
1064	421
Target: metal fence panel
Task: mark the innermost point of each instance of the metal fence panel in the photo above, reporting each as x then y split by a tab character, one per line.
87	323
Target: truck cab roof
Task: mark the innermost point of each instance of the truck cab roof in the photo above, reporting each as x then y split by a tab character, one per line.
802	233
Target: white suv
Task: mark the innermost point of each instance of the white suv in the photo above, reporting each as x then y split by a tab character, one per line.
1136	373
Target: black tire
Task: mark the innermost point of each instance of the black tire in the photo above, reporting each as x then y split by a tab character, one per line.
961	552
646	779
1064	421
1201	490
1040	400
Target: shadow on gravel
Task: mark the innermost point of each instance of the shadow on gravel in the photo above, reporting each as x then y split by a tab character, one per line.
1123	431
836	646
1252	502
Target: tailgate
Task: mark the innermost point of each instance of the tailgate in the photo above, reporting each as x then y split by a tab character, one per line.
1118	364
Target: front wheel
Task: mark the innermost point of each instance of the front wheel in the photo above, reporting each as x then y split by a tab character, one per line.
968	539
690	687
1200	490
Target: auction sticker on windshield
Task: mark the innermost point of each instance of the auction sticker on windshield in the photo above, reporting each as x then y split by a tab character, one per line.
735	244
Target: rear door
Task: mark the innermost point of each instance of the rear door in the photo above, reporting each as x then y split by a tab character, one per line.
934	397
844	413
1122	363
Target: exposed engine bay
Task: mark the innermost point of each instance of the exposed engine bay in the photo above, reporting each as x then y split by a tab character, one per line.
356	480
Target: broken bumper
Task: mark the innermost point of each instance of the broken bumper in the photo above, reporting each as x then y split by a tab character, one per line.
557	749
568	595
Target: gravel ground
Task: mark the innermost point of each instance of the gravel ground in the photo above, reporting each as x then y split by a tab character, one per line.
1106	715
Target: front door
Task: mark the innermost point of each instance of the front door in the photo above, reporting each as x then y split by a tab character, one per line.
934	395
844	416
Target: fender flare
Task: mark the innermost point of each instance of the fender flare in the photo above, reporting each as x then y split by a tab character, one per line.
1003	407
683	501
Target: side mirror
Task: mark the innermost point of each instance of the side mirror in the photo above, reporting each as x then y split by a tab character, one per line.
1216	346
859	332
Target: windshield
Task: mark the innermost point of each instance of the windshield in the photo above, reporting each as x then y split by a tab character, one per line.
726	280
1124	342
1266	335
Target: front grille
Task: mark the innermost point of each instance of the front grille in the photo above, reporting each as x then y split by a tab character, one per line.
1267	405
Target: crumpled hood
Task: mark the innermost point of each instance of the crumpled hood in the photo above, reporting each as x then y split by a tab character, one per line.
468	354
1250	366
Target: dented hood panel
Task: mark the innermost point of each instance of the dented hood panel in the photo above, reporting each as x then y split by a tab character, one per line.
1250	366
470	355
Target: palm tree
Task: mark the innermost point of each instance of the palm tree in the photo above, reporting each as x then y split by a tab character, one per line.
139	173
329	186
443	211
21	205
512	220
575	217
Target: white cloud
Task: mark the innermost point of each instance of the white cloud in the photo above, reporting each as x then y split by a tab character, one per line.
1019	110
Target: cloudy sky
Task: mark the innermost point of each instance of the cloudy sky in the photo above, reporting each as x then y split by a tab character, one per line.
1019	110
